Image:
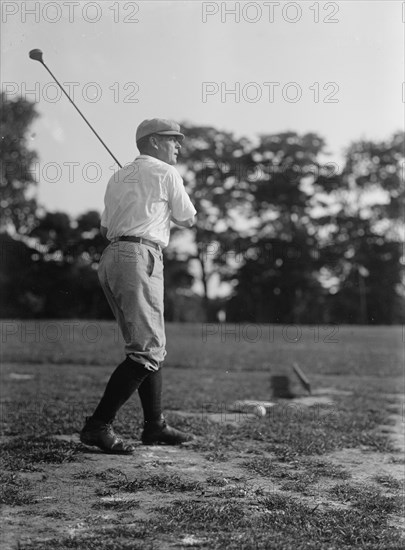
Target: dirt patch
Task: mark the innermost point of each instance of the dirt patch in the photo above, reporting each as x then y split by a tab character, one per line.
80	498
74	498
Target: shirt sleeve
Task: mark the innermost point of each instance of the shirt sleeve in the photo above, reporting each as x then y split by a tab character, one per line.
179	202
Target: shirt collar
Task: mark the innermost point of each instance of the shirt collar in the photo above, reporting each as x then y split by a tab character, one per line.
150	158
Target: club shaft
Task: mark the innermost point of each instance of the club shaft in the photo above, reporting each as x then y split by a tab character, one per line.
80	113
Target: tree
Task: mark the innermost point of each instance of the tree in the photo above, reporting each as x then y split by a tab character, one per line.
17	181
17	264
213	166
279	279
364	244
181	303
66	276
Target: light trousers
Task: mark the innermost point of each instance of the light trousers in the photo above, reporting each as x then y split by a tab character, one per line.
131	275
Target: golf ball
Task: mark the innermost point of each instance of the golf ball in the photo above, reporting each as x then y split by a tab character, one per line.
260	411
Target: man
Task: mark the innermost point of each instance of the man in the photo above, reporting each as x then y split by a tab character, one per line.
140	201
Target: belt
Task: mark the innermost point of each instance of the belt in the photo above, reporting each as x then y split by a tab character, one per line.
140	240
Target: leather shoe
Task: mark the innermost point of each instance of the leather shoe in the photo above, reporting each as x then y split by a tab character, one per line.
159	433
101	434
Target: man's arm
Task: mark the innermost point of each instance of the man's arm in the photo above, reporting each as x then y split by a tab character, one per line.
186	223
103	231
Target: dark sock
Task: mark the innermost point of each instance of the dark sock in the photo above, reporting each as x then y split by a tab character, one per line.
150	393
126	379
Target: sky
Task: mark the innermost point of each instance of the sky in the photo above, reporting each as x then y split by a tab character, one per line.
334	68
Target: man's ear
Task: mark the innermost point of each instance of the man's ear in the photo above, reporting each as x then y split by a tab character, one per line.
153	142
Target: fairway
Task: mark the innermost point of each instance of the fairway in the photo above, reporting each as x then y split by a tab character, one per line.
324	471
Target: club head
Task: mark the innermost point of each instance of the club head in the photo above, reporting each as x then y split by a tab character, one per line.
302	378
36	55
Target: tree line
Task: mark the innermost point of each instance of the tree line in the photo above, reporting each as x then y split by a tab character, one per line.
289	236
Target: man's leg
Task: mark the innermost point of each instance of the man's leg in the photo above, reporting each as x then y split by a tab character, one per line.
155	428
124	381
150	394
132	280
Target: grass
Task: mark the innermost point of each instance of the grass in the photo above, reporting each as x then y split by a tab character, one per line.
275	499
367	498
326	469
30	452
15	491
342	351
119	537
300	477
388	482
350	423
117	505
277	521
155	482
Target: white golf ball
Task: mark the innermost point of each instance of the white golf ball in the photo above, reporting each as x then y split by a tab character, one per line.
260	411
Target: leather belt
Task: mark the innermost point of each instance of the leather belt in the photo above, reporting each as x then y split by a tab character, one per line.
139	240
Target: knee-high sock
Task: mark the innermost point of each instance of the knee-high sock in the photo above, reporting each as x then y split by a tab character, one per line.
124	381
150	393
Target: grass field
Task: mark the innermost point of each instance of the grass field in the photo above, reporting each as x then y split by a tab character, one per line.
323	472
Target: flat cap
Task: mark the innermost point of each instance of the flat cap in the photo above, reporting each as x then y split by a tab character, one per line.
159	126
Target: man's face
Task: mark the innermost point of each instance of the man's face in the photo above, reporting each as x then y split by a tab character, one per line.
167	148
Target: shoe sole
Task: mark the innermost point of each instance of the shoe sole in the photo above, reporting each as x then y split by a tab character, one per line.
151	443
107	451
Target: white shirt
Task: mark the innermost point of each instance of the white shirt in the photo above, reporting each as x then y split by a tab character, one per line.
141	197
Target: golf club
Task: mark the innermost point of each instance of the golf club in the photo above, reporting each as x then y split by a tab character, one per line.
303	379
37	56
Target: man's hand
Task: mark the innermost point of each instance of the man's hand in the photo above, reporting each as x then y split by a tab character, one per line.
186	223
